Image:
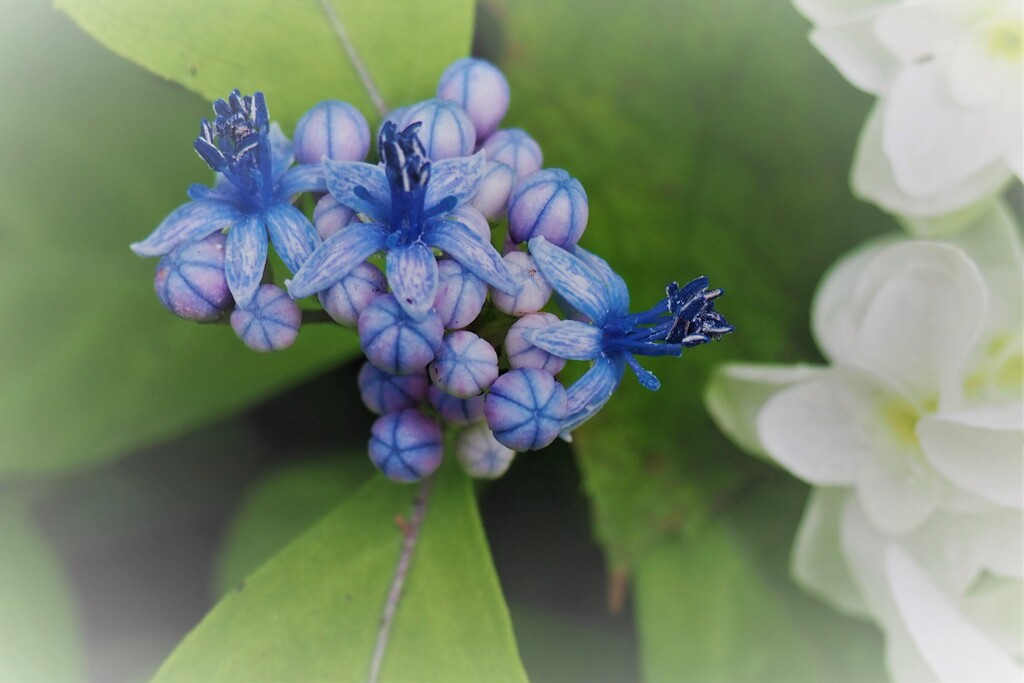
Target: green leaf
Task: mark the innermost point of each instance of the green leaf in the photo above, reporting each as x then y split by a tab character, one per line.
312	612
290	52
722	147
718	604
280	507
39	635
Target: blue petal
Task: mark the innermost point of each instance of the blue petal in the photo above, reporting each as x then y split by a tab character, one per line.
591	391
573	280
646	377
336	257
223	192
617	290
473	253
457	177
280	150
188	223
567	339
305	178
245	256
360	186
412	276
294	237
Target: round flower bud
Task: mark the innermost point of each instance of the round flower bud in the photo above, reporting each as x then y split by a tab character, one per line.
406	446
330	216
525	408
472	218
535	291
393	341
480	454
480	89
190	280
384	393
523	354
331	129
446	132
270	322
347	298
465	366
455	410
514	148
460	295
491	198
550	203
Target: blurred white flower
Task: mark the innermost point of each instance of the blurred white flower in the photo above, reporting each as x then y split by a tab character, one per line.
947	129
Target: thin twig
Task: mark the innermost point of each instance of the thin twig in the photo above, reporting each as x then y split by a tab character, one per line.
411	533
353	56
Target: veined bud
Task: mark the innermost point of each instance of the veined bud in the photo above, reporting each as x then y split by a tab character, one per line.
525	408
480	454
190	280
549	203
270	322
331	129
406	445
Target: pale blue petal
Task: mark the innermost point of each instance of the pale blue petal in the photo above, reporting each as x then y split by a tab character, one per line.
457	177
617	290
294	237
646	377
280	150
336	257
573	280
591	391
305	178
245	256
412	276
188	223
567	339
360	186
473	253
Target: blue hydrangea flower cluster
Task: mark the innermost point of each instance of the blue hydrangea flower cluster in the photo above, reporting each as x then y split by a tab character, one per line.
457	335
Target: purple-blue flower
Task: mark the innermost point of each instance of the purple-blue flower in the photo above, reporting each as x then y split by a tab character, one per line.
685	317
251	197
408	201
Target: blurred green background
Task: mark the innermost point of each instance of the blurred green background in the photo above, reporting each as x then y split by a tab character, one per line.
147	464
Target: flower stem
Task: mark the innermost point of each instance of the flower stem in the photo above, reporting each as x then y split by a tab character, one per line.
411	533
353	56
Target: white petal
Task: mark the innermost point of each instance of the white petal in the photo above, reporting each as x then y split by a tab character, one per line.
958	547
817	562
736	393
898	490
981	450
813	429
934	143
855	51
996	607
835	11
951	645
872	179
977	76
917	33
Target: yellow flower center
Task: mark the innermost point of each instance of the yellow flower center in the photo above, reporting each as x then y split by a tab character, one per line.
900	419
1006	40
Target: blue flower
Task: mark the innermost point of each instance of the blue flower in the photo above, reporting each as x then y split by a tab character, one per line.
685	317
408	201
251	197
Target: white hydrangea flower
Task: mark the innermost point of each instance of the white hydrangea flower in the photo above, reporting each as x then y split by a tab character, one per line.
947	129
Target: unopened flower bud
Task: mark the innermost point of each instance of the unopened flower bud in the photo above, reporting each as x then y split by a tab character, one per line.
270	322
516	149
384	393
331	129
535	290
406	446
465	366
480	89
393	341
480	454
190	280
346	299
491	198
455	410
460	295
330	216
446	132
523	354
525	408
549	203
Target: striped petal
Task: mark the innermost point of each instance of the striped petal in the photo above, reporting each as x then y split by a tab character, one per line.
188	223
294	237
336	258
304	178
245	256
412	276
567	339
591	391
359	186
617	290
577	283
457	177
473	253
645	376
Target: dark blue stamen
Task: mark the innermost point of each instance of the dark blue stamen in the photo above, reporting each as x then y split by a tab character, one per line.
236	145
408	172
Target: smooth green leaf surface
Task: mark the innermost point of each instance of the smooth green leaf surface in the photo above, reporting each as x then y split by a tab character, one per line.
711	139
717	604
39	636
312	612
288	50
281	507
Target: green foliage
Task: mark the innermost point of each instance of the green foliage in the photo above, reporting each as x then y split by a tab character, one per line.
719	148
39	635
734	615
312	612
280	507
287	50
